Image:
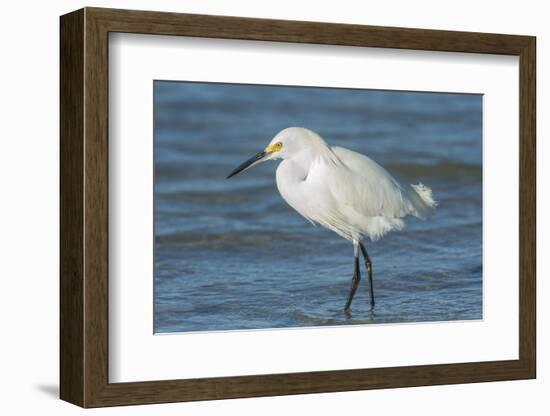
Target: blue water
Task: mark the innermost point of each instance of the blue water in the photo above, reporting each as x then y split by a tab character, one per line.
230	254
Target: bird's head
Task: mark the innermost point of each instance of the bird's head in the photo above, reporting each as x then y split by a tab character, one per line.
287	143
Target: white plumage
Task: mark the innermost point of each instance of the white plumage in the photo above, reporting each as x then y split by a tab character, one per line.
342	190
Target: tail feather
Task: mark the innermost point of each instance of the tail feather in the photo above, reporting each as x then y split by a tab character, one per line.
423	200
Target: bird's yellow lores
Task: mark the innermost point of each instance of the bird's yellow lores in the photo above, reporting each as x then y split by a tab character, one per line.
275	147
342	190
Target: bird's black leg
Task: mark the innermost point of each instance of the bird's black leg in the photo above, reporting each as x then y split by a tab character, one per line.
354	283
369	270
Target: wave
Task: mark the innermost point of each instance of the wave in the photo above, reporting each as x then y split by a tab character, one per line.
248	238
441	170
290	238
307	319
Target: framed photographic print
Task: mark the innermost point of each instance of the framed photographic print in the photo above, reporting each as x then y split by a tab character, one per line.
255	207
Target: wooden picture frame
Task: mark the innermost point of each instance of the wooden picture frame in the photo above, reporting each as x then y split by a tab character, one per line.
84	207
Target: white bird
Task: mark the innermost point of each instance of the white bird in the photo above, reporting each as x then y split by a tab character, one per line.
342	190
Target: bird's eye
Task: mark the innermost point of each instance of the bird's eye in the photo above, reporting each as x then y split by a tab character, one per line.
278	146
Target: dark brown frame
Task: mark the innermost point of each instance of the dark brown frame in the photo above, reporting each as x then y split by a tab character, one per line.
84	208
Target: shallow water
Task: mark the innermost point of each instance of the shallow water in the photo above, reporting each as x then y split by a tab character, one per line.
230	254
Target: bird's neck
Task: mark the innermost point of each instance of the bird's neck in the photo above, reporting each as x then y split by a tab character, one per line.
301	162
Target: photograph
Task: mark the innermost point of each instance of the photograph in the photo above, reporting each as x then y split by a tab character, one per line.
367	210
279	205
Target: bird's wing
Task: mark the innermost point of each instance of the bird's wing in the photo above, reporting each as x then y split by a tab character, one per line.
362	185
352	195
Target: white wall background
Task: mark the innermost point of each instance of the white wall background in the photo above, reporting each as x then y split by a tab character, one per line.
29	85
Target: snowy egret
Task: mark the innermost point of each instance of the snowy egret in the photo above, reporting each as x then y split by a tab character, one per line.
341	190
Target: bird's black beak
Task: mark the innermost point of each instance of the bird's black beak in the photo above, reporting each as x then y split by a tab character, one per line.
249	163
